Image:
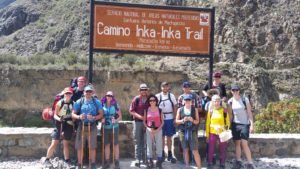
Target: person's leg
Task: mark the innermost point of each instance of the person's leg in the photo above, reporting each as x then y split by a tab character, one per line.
52	148
222	150
66	149
186	157
211	147
149	145
197	158
158	144
238	150
247	151
107	152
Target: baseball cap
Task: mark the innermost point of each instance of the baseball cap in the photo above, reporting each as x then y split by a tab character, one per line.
164	84
68	90
187	97
215	97
186	84
235	87
217	74
143	86
109	93
89	87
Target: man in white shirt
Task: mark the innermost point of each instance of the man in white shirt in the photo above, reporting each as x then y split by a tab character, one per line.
167	103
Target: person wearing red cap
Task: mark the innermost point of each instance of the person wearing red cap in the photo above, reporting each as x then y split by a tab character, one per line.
217	84
63	127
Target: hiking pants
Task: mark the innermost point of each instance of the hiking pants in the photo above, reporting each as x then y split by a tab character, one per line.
158	144
211	148
138	134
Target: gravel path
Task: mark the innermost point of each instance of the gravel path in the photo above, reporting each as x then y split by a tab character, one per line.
261	163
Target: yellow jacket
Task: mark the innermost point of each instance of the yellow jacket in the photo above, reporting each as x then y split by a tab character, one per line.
215	121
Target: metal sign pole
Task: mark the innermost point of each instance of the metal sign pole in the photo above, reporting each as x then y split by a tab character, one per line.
90	73
211	52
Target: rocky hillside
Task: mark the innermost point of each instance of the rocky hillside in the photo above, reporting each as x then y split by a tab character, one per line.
257	42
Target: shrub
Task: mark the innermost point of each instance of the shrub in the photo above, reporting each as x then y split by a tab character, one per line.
102	60
279	117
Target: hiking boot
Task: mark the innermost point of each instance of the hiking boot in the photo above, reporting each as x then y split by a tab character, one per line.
106	165
171	158
47	163
249	166
222	166
137	163
237	165
150	164
159	164
117	164
93	166
209	166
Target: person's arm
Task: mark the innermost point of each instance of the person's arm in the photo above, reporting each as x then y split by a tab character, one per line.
144	119
133	112
177	120
120	115
56	111
250	116
196	120
204	91
162	122
75	111
207	125
224	94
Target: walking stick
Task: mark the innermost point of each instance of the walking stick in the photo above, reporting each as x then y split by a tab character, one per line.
102	145
89	133
82	143
113	146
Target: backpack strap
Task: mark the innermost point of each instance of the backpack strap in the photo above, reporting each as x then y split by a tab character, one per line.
137	101
244	102
169	96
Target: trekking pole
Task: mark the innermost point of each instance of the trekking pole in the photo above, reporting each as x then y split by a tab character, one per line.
82	144
113	147
102	145
89	133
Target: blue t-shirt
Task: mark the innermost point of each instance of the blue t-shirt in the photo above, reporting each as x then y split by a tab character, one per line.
109	113
87	107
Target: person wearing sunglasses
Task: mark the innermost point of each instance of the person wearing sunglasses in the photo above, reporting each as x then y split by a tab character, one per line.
153	122
242	124
88	111
112	116
63	127
187	119
137	109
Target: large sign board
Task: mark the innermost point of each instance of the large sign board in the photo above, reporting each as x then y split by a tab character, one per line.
152	29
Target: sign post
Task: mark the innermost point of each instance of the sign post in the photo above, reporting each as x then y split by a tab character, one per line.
148	29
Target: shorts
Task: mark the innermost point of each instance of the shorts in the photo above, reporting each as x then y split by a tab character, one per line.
108	136
169	128
93	136
192	144
67	132
240	131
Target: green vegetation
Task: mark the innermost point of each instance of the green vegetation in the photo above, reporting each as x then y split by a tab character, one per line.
279	117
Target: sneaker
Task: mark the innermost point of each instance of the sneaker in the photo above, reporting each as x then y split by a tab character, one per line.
150	163
249	166
171	158
209	166
117	164
237	165
47	163
93	166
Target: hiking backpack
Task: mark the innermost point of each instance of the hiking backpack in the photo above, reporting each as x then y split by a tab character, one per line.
169	98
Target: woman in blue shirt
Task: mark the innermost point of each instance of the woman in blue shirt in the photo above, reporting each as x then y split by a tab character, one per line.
112	115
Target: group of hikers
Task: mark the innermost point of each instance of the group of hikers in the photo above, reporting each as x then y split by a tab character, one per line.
156	117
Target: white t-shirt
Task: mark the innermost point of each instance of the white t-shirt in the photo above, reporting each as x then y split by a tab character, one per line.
240	114
166	105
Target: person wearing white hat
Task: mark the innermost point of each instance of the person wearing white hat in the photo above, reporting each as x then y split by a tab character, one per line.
216	122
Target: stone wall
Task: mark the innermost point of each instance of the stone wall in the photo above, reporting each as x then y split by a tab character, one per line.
33	142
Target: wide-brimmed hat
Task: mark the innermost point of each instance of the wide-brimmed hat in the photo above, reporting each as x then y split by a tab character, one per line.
143	86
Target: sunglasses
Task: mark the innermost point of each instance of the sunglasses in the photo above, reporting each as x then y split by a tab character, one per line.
68	93
143	89
152	100
234	90
109	95
89	91
187	100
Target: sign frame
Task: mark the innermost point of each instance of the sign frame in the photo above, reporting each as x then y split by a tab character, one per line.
94	3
